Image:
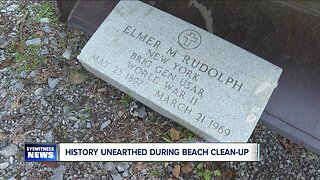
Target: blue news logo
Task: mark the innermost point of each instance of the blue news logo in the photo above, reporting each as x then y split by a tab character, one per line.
40	152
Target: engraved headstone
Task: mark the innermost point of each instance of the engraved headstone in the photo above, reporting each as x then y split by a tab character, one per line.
195	78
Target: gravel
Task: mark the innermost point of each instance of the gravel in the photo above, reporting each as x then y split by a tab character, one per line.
39	91
53	82
48	136
2	40
140	112
4	165
34	41
67	54
105	124
9	151
42	104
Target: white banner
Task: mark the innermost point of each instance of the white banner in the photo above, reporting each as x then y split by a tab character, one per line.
158	152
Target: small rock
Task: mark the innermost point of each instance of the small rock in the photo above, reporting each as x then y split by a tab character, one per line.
19	86
101	90
3	94
34	41
49	92
58	173
44	102
67	54
111	167
76	125
4	165
22	110
63	35
44	51
44	20
125	173
144	171
133	177
89	125
59	169
72	118
8	151
12	7
4	70
117	177
3	40
29	165
53	82
24	74
19	130
120	113
46	41
32	74
140	112
105	124
11	160
45	118
38	92
46	28
48	136
120	166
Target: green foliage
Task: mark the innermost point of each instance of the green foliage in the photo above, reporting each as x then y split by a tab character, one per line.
205	174
164	135
154	172
28	60
187	136
200	166
217	172
19	57
45	9
125	100
314	156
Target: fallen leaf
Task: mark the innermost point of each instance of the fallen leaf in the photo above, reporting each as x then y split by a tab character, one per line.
77	77
50	164
40	33
186	168
16	103
2	136
176	171
174	134
6	63
19	48
226	175
287	144
139	166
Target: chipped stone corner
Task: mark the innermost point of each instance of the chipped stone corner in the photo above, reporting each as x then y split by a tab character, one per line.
253	115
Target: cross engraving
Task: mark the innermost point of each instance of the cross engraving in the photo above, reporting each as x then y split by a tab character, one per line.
189	39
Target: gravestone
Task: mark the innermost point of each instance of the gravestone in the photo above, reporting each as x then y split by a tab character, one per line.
195	78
